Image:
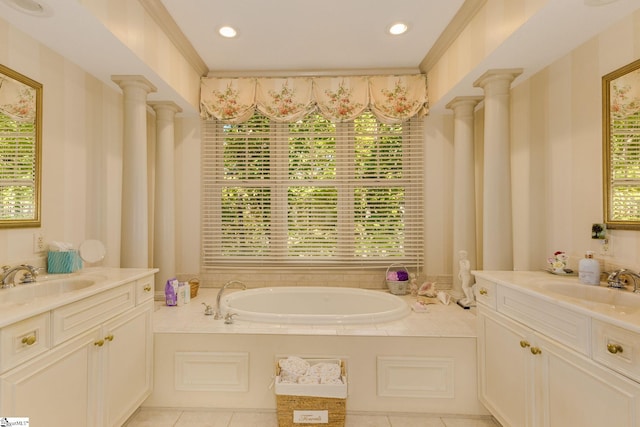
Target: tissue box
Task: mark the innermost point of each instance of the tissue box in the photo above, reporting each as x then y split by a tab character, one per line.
63	262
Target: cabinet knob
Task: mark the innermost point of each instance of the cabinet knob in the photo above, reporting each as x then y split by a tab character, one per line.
30	340
535	350
109	337
524	344
99	343
614	348
147	288
483	291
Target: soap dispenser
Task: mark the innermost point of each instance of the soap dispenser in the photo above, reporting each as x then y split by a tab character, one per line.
589	270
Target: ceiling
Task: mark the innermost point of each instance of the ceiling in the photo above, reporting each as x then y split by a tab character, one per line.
303	37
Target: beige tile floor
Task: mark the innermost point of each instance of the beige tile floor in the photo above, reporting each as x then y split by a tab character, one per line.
146	417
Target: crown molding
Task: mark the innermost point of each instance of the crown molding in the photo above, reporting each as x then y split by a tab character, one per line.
461	19
161	16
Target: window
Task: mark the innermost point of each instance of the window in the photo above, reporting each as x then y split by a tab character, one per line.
312	192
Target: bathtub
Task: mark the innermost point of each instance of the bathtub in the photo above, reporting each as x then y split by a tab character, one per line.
314	305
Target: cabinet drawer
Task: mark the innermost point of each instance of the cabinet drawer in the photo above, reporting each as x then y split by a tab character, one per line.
486	292
144	289
566	326
21	341
77	317
617	348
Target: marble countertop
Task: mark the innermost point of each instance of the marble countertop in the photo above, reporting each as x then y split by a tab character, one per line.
30	299
438	321
539	284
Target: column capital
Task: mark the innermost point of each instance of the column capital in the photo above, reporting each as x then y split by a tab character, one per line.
125	81
165	106
506	74
459	101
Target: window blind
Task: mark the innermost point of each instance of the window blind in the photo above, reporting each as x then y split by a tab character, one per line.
312	192
625	168
17	168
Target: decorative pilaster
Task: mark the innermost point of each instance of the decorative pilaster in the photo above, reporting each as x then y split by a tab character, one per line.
134	242
464	199
497	245
164	239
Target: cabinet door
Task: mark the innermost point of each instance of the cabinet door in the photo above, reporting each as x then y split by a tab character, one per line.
505	369
576	391
57	389
128	355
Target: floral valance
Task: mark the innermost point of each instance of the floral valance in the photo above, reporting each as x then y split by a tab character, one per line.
392	99
17	100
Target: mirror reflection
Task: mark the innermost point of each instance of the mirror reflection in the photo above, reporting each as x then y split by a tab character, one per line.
20	141
621	148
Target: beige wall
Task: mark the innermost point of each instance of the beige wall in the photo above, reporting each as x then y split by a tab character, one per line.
81	152
557	153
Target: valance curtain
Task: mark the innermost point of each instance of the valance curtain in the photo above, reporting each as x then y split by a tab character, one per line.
392	99
18	101
625	96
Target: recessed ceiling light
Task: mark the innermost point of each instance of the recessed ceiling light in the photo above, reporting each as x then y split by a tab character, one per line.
398	28
30	7
228	32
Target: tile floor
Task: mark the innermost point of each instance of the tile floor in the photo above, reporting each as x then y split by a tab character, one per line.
146	417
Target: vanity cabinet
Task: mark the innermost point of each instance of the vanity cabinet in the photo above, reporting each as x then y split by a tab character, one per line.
96	376
528	379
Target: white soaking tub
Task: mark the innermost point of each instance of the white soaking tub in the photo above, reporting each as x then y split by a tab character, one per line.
314	305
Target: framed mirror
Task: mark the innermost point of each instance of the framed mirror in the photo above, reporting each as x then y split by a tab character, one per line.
621	147
20	149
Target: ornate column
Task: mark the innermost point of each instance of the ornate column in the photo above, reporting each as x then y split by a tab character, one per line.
134	242
497	245
164	236
464	198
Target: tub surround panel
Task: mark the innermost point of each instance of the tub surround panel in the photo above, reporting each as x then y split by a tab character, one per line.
425	362
212	371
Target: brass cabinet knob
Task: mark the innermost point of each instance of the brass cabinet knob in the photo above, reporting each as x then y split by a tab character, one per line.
109	337
30	340
147	288
524	344
535	350
614	348
483	291
99	343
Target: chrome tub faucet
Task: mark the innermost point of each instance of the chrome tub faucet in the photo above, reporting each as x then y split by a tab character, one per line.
218	314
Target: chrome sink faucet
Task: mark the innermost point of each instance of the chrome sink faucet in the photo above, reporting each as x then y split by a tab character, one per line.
8	276
218	314
615	279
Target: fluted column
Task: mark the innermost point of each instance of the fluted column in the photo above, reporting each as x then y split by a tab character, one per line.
464	183
497	245
134	242
164	235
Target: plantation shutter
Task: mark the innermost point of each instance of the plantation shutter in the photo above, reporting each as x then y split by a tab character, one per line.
625	168
312	192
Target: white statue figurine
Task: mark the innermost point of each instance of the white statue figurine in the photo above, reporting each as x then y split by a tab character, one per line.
464	274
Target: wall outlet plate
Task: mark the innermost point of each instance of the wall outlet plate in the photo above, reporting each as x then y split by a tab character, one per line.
38	242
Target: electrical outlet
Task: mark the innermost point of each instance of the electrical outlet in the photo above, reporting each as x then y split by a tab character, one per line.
38	242
606	247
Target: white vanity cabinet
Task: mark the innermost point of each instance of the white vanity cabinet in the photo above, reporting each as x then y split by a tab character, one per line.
528	379
96	375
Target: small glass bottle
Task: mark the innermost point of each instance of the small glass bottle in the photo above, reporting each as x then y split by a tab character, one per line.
589	270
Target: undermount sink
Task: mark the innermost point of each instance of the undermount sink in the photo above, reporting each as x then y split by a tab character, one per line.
615	299
25	293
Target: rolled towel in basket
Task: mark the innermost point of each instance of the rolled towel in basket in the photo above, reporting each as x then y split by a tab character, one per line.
295	365
325	370
307	379
331	381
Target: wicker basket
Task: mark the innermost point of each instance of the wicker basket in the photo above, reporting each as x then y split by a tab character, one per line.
286	405
194	284
397	287
311	411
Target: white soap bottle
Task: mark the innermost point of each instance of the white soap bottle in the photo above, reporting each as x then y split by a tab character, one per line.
589	270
